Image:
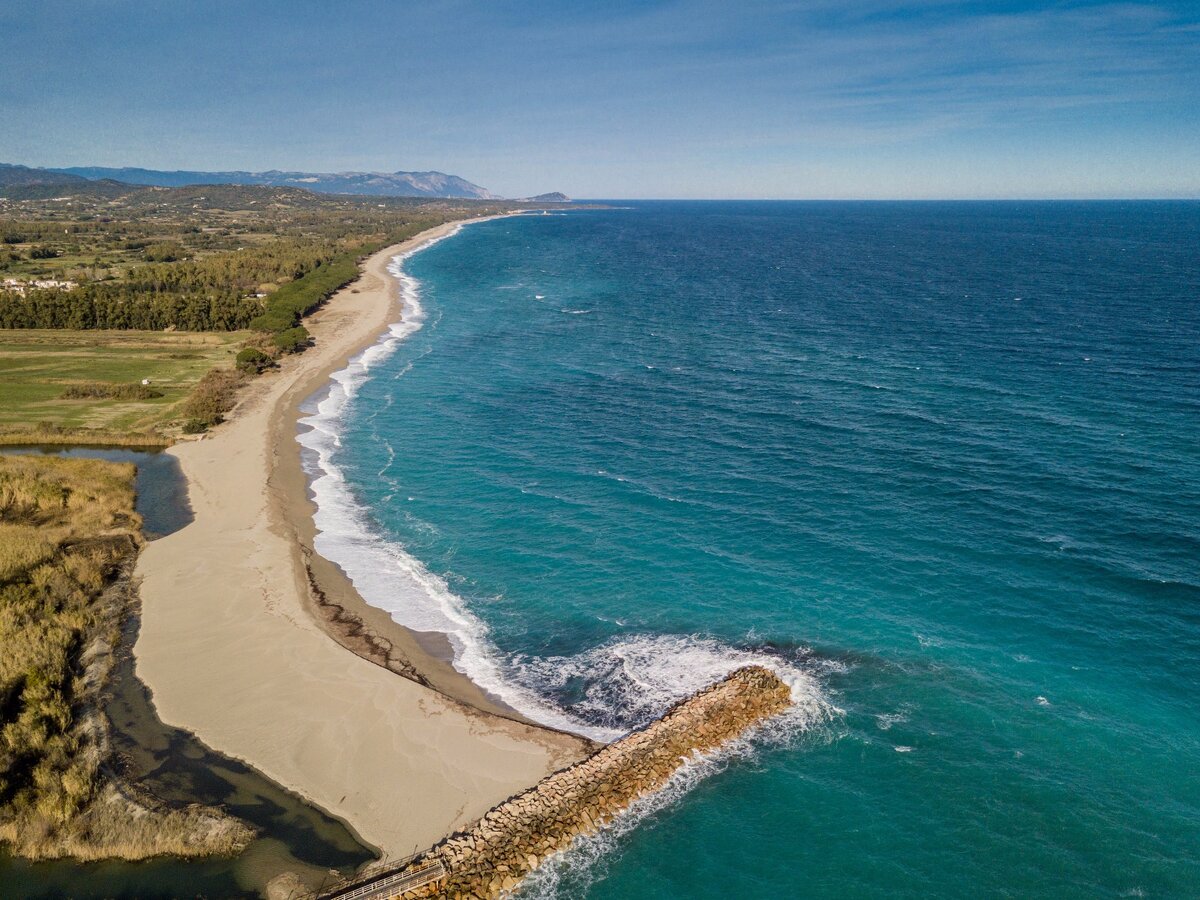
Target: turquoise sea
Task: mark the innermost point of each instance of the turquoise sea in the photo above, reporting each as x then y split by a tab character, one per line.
938	464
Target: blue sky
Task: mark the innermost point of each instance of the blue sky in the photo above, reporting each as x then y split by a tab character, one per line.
691	98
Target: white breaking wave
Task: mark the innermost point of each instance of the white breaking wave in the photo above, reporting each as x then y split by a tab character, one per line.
698	662
383	573
628	681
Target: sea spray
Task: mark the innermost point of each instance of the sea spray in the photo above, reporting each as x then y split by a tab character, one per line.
627	681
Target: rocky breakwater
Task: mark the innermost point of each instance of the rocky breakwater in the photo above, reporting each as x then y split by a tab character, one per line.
491	856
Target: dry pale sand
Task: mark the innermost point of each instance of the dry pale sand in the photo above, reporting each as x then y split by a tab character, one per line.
236	645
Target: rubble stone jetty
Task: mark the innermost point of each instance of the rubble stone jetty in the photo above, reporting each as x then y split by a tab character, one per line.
490	857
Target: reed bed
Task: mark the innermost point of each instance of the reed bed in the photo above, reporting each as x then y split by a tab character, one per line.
67	528
58	436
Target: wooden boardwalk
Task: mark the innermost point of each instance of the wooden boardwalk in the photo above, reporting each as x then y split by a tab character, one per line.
391	884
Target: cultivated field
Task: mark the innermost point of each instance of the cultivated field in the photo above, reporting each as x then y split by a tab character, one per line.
37	367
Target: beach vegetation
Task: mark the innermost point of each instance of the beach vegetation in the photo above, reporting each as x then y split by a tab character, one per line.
291	340
212	398
251	359
291	302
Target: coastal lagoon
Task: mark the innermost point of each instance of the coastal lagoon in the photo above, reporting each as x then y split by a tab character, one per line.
936	464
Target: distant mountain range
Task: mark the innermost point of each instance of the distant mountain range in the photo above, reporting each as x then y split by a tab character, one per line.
25	183
24	176
28	182
377	184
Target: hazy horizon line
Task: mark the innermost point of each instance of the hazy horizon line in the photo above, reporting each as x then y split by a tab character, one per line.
1059	198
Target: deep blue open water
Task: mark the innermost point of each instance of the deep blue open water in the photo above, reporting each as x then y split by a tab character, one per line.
939	464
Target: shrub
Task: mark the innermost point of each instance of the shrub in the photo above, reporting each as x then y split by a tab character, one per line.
100	390
251	359
292	340
212	397
165	252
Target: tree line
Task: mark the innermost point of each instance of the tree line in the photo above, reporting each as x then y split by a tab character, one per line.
106	305
215	292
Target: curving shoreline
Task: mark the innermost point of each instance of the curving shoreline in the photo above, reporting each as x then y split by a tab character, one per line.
366	630
238	612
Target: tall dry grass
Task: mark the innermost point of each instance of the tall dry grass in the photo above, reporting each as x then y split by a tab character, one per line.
66	527
22	547
55	435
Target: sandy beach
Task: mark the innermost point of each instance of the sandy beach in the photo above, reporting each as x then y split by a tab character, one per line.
265	651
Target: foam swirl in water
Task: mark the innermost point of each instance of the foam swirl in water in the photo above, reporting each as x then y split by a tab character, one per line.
628	681
654	672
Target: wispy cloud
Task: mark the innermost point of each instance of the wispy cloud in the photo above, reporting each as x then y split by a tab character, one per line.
896	69
593	95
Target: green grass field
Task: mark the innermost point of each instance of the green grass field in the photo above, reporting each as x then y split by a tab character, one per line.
37	366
